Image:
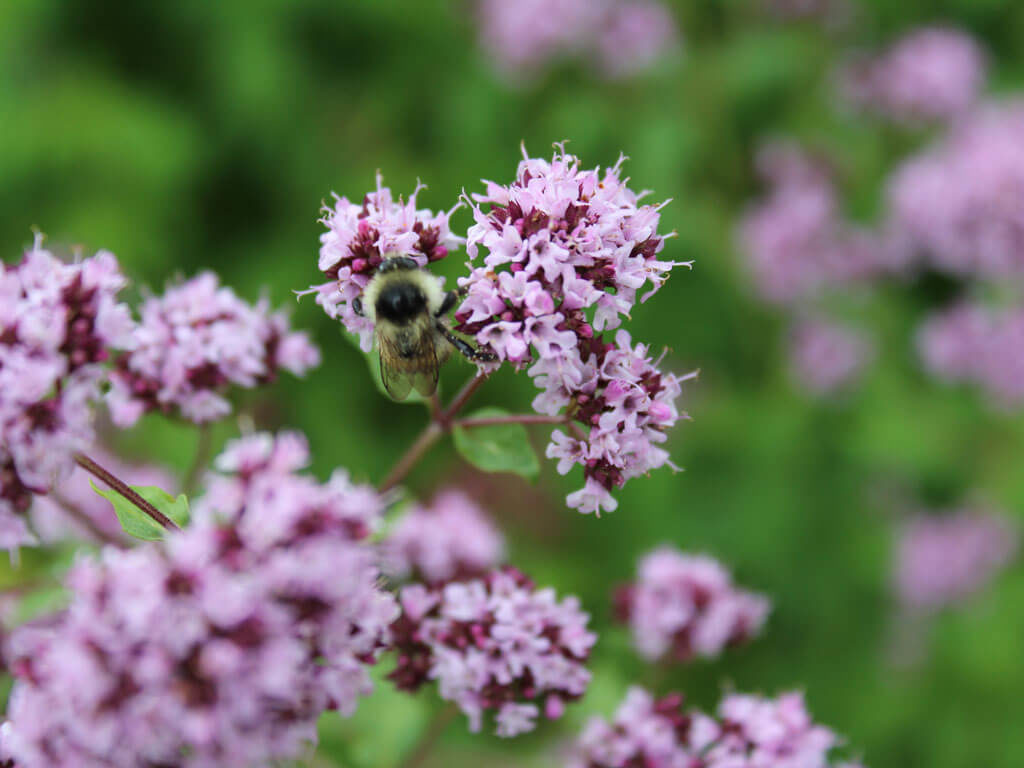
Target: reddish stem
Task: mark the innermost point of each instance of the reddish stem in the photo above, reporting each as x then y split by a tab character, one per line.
512	418
122	488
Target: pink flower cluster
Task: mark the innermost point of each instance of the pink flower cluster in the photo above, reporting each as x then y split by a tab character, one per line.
933	73
621	38
567	253
494	644
683	606
358	237
944	560
795	240
957	205
194	341
221	648
826	357
976	344
749	732
449	539
58	325
74	510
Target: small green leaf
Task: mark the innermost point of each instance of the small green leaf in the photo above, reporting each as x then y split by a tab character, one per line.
497	448
373	363
137	523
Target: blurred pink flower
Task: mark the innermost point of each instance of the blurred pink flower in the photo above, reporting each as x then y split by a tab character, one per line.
682	605
944	560
622	38
826	357
221	647
748	732
958	205
795	241
980	345
449	539
932	73
59	324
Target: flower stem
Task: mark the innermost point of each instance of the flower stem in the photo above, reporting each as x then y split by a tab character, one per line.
427	438
122	488
441	422
428	739
512	418
200	461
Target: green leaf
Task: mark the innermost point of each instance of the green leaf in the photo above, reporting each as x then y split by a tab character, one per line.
137	523
373	363
497	448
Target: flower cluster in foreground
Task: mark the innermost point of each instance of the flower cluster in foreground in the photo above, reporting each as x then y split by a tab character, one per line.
944	560
221	647
494	644
748	732
358	237
621	38
934	73
957	204
194	341
58	325
681	606
980	345
826	357
449	539
568	253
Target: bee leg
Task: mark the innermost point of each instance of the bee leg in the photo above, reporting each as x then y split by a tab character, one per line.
357	306
465	348
448	304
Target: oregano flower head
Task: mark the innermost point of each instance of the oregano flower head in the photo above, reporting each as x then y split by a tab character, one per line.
747	732
59	324
494	644
682	606
448	539
360	235
220	647
193	342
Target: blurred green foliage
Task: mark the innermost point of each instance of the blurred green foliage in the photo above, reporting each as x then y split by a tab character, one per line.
188	135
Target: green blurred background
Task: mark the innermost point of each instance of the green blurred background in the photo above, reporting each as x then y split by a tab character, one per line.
185	135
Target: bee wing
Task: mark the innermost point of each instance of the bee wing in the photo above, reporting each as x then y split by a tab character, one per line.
409	362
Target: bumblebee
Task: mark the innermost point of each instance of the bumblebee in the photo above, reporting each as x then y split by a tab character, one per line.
407	305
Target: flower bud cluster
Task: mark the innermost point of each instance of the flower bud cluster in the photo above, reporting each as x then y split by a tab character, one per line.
568	253
449	539
681	606
221	647
494	644
360	235
58	325
748	732
193	342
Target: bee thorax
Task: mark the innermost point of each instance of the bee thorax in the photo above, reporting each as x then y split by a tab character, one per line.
400	303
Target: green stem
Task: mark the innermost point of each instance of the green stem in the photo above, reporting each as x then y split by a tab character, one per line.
428	739
122	488
200	461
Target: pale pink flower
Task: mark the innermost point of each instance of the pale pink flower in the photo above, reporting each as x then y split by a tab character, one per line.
826	357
